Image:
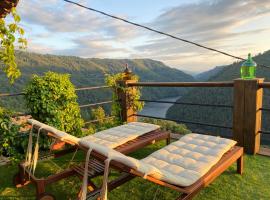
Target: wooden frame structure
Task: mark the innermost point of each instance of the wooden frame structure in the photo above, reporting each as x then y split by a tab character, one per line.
6	6
235	154
24	176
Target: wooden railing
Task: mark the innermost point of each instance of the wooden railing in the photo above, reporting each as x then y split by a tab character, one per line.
246	108
181	84
77	89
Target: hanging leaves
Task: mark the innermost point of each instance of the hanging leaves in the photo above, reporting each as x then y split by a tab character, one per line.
8	33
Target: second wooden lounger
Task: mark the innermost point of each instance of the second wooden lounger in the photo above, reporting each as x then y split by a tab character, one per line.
126	138
187	165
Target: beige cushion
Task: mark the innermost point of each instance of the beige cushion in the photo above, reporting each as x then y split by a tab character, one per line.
181	163
116	136
188	159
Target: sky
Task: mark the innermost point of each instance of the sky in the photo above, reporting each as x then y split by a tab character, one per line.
235	26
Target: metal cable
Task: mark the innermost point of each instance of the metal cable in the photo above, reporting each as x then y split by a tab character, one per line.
160	32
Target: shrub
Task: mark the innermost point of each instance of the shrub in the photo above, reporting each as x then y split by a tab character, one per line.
103	122
9	140
169	125
52	100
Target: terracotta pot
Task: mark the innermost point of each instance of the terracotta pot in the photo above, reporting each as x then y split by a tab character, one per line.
57	145
6	6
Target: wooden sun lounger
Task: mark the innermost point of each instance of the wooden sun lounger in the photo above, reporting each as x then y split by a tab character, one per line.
22	177
235	154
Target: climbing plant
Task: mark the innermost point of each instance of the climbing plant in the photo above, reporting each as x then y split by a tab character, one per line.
132	95
10	34
167	125
52	100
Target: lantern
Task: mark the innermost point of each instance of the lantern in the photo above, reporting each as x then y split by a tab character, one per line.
248	68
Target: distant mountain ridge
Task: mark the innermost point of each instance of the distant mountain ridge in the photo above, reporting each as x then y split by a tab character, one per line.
216	115
90	72
204	76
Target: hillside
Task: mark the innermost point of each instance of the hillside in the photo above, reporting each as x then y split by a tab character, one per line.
89	72
221	116
204	76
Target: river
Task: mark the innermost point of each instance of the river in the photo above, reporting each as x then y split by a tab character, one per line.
158	109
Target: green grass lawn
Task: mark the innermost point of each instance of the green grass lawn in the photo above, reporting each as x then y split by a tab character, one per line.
253	185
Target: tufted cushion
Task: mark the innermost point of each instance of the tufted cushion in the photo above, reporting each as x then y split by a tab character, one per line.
116	136
188	159
181	163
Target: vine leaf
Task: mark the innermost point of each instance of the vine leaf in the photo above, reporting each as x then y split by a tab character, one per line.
8	33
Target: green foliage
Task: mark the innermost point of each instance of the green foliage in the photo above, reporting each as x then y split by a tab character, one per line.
133	95
169	125
89	131
103	122
9	140
99	114
52	100
111	80
8	34
90	72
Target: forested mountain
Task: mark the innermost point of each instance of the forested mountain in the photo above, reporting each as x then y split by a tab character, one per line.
214	115
204	76
90	72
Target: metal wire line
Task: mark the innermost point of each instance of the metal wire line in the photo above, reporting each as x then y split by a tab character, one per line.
160	32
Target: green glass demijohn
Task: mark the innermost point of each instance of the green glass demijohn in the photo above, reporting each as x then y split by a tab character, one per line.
248	68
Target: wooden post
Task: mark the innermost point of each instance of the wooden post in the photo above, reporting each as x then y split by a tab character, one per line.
127	112
247	114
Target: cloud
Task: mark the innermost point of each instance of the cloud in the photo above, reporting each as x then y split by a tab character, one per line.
68	29
86	46
57	16
60	17
212	23
229	25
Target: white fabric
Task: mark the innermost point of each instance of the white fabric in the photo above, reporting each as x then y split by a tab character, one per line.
111	155
112	137
85	176
65	137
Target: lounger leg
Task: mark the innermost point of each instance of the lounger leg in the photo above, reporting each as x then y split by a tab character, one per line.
21	179
40	188
187	196
240	165
168	140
